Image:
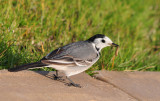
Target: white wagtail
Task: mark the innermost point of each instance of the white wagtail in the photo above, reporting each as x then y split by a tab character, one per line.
73	58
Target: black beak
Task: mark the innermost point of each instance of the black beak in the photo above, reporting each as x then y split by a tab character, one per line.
114	45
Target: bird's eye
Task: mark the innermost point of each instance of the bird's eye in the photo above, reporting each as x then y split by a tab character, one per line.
103	40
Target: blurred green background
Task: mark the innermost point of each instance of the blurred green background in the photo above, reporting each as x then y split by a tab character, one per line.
30	29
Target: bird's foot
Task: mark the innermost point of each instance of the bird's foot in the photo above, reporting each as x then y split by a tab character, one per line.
58	77
73	84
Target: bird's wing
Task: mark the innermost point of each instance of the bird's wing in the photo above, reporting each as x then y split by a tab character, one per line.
67	61
82	50
79	53
54	53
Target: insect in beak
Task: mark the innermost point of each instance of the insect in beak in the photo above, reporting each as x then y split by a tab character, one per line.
114	45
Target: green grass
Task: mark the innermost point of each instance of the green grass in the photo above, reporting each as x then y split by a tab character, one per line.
30	29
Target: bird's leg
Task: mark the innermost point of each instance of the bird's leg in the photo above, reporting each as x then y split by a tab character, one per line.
56	77
72	83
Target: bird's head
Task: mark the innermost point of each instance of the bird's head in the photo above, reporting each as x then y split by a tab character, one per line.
101	41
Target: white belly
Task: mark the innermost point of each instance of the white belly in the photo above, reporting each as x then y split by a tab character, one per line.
69	71
76	70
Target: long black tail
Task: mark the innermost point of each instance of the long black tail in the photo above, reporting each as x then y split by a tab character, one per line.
26	66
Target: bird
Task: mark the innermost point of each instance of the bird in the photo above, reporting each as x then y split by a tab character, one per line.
72	58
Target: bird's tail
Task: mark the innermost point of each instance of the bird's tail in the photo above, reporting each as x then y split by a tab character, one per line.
26	66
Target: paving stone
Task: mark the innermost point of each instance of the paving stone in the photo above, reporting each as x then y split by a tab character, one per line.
40	86
144	86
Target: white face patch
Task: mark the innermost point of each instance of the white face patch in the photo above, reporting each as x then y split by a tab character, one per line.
102	42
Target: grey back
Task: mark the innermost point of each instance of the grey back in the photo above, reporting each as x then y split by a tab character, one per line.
82	50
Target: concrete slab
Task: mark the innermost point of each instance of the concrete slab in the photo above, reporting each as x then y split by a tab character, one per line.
144	86
40	86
